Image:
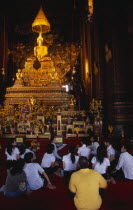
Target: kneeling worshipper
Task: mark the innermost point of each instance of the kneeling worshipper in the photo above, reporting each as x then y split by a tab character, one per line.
125	163
33	173
49	163
15	184
85	184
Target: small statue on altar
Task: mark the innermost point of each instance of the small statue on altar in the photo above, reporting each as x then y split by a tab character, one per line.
32	100
19	75
72	100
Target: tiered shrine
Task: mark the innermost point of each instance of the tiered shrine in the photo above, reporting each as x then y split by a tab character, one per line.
38	103
39	80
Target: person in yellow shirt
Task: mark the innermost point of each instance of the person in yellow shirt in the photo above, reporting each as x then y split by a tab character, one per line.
85	184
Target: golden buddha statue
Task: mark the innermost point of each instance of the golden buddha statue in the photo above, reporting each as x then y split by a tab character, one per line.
19	75
40	25
40	51
72	100
19	78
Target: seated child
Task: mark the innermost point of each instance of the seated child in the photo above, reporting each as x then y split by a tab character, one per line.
33	173
49	161
16	180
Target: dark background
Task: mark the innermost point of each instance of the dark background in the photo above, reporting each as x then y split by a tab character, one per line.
22	14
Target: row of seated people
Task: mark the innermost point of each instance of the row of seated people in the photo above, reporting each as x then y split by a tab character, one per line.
24	174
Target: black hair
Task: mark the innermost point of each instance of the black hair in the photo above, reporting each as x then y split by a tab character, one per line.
108	141
83	162
28	157
83	141
52	138
50	148
10	146
27	144
18	167
126	146
101	143
22	149
88	141
101	153
95	138
90	132
72	151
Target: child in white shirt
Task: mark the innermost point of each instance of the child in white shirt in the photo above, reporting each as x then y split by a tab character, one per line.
84	150
33	171
125	162
70	162
12	153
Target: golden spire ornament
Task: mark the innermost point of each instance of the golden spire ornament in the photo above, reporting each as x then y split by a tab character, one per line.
41	24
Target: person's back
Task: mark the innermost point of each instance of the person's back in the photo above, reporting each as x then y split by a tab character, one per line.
126	163
48	159
94	144
70	160
111	153
32	171
28	149
12	181
69	166
100	162
85	183
15	176
101	167
84	150
22	149
12	151
55	152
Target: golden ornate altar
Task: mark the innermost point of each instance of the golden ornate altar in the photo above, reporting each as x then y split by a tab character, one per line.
41	78
39	89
